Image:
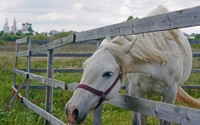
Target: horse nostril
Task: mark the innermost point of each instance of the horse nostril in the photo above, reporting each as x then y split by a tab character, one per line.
75	113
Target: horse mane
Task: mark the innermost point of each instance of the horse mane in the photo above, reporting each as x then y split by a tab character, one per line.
147	47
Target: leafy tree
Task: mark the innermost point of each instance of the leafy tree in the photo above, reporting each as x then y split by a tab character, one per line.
1	33
62	34
197	37
1	42
30	29
129	18
19	33
40	37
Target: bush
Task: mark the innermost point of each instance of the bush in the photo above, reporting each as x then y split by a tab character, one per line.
1	42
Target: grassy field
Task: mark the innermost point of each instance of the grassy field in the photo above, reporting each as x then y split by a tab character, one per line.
17	116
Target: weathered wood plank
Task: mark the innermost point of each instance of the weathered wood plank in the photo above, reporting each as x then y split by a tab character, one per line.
19	96
64	55
28	68
173	20
26	53
33	87
97	116
15	95
72	86
43	113
183	86
41	42
49	89
195	70
54	44
168	112
48	81
57	70
190	86
22	73
21	41
196	54
78	70
16	64
194	42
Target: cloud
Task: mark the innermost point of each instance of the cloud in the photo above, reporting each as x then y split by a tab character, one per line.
79	15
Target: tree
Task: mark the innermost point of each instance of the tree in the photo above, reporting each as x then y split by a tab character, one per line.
129	18
40	37
1	33
30	30
62	34
197	37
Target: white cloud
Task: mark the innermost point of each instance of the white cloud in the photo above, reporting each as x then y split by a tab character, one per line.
81	14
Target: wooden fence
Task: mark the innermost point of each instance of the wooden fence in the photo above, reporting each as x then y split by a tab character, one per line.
177	114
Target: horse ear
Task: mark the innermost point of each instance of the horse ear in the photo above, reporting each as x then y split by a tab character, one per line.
106	40
127	47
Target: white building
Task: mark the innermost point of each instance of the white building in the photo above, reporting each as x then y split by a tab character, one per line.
25	27
6	27
14	27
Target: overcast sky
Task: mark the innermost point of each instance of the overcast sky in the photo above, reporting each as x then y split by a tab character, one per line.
80	15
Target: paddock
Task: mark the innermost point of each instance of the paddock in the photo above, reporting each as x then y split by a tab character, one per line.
172	113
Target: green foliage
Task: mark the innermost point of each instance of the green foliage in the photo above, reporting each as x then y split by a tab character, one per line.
129	18
1	42
197	37
62	34
40	37
1	33
11	37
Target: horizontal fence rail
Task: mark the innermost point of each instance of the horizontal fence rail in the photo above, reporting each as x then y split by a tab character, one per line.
38	110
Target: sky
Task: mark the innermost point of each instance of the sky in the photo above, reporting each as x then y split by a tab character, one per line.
82	15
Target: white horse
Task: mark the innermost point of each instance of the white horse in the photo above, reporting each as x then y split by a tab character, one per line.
157	62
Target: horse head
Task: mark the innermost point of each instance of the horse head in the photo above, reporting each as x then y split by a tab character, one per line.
100	81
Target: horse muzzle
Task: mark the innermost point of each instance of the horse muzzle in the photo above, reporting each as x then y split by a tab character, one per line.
74	114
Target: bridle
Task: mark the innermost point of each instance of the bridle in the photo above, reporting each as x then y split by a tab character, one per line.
100	93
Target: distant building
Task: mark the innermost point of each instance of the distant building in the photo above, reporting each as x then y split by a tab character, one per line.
14	27
6	27
26	27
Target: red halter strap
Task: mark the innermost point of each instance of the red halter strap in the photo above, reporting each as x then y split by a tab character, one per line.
100	93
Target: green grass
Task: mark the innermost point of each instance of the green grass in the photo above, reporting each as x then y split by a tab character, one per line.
112	115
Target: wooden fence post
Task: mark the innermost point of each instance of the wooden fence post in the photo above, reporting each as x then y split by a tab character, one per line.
15	65
97	120
49	89
28	68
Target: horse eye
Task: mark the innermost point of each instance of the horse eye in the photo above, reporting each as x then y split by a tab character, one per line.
107	74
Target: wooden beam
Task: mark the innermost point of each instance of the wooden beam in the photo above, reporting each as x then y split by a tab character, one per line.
190	86
172	113
52	119
21	72
195	70
172	20
64	55
21	41
54	44
48	81
49	89
15	95
196	54
57	70
25	54
14	90
194	42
